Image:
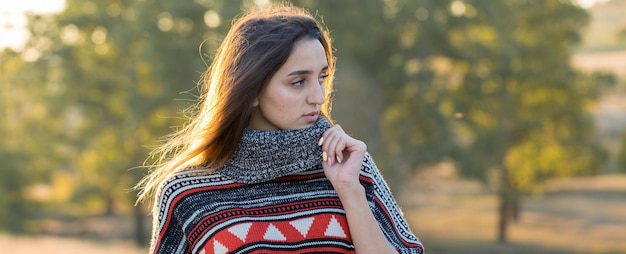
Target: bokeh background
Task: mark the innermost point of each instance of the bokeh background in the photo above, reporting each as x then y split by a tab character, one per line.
499	125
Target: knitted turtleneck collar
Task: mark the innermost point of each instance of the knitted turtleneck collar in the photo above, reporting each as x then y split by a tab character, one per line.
266	155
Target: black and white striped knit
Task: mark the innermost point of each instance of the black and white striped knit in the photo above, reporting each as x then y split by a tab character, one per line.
271	197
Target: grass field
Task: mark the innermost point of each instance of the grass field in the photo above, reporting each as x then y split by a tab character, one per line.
581	215
60	245
612	61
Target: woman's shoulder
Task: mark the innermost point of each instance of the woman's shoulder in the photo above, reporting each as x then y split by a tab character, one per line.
191	178
188	172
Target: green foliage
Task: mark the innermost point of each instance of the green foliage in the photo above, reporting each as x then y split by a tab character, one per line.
551	158
621	35
519	92
26	145
17	209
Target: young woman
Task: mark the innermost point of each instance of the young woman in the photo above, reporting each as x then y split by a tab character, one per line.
260	168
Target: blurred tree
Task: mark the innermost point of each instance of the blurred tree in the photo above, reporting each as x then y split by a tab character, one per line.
25	133
16	209
523	105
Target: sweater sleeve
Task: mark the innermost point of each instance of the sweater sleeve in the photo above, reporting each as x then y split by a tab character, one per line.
168	235
386	210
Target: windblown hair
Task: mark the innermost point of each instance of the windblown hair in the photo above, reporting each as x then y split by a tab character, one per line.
256	46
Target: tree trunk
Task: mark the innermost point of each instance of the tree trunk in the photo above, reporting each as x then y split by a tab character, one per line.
109	206
506	190
516	206
502	219
506	208
141	234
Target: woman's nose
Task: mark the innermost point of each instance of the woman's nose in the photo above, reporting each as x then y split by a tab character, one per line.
316	94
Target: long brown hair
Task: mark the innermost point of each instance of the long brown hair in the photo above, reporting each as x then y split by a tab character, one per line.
256	46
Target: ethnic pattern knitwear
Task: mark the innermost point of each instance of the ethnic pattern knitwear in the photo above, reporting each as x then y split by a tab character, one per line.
280	204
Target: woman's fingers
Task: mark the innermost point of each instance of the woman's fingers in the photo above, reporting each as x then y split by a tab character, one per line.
336	145
338	151
330	142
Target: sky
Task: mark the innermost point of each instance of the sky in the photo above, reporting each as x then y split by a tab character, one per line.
13	21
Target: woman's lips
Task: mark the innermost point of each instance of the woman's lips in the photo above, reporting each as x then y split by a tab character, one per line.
311	117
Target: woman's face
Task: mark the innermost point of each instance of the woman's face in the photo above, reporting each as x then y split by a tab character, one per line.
292	98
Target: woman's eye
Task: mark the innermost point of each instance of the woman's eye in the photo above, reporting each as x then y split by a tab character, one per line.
322	78
298	82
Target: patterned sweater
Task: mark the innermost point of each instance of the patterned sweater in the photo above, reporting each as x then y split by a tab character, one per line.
271	197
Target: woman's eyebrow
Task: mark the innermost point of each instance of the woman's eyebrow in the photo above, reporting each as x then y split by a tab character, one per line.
298	72
301	72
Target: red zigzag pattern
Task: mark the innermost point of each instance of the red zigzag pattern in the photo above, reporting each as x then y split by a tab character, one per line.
293	231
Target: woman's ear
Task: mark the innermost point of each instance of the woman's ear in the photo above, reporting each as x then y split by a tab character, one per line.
255	103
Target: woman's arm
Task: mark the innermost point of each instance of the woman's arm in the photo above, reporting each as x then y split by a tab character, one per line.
343	157
167	232
386	210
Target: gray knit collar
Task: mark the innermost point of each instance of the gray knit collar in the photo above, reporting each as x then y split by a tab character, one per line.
266	155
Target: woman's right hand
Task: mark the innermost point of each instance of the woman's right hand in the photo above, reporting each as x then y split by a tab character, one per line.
343	157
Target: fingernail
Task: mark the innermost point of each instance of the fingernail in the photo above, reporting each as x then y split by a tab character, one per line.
324	156
320	142
338	159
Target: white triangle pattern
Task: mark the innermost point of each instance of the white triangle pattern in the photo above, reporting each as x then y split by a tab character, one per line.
334	229
219	248
302	225
274	234
241	231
